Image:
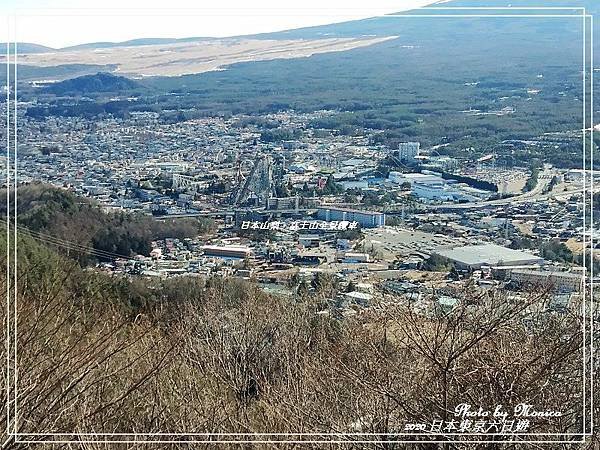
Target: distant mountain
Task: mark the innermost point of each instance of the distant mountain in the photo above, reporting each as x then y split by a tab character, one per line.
30	48
464	85
27	48
134	42
28	72
406	28
376	26
88	84
471	84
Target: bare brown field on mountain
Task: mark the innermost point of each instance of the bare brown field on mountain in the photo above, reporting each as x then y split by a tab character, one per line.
194	57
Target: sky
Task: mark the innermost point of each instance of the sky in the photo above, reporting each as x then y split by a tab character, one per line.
60	23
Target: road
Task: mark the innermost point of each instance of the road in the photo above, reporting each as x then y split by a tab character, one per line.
536	193
504	201
232	213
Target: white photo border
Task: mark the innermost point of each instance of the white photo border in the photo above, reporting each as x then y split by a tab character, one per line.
311	438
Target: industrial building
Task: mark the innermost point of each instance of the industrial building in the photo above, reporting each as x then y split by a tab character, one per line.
428	177
561	281
433	191
227	251
290	203
475	256
430	186
350	257
354	184
366	219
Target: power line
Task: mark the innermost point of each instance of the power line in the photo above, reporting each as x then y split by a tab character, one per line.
74	246
49	239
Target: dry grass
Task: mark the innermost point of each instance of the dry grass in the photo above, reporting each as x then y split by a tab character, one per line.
225	357
195	57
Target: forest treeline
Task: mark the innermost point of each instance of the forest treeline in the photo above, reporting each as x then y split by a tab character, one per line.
58	213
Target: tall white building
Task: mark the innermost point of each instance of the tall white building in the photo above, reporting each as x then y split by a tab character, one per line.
407	151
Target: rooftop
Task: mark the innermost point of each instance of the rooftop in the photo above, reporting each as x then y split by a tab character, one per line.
350	210
557	274
487	254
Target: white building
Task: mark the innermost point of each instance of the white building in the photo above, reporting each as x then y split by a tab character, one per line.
399	178
433	191
407	151
443	191
475	256
558	280
577	175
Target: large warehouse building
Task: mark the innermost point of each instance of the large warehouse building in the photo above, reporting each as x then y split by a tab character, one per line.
228	251
366	219
475	256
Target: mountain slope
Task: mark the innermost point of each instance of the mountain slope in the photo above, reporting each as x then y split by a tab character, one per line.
100	82
422	26
27	48
172	57
473	84
134	43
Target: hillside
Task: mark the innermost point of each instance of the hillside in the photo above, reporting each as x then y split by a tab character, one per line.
423	27
49	211
470	83
100	82
134	43
25	48
143	58
149	56
212	355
